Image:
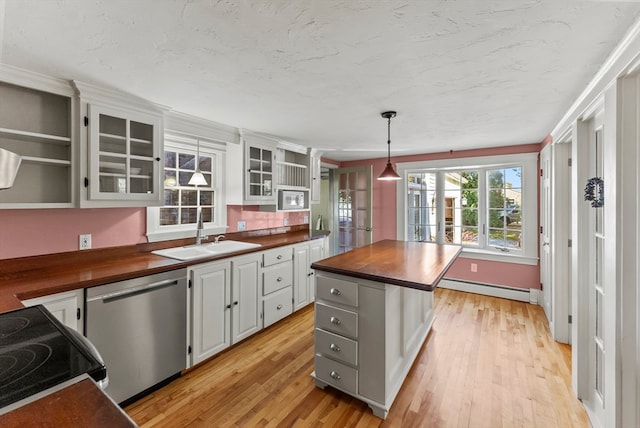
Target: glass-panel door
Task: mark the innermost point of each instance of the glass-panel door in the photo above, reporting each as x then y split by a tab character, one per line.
352	202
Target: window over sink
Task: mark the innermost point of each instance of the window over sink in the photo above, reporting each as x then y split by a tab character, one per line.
178	216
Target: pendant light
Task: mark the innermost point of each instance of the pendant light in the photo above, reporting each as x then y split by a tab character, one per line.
389	173
197	179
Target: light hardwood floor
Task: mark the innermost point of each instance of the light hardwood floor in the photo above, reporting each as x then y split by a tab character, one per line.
487	363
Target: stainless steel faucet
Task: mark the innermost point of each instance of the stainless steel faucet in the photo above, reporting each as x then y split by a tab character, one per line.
217	239
199	229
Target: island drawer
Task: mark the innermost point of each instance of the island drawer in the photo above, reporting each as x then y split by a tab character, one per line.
277	255
336	374
277	306
336	347
337	320
337	290
276	277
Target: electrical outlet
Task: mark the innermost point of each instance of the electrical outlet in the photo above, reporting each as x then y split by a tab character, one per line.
474	267
85	242
286	221
242	225
306	219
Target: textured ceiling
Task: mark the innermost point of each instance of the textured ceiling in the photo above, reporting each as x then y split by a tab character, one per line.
461	74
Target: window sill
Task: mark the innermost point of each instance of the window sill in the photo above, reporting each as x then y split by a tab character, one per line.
472	253
180	234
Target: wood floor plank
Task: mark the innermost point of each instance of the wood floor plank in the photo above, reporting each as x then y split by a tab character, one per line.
487	363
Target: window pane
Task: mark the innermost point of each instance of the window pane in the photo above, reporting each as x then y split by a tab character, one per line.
168	216
171	197
170	178
189	215
169	159
207	215
189	197
206	197
461	206
421	188
186	161
504	201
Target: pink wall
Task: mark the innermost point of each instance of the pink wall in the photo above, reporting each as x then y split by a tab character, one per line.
35	231
384	219
257	219
46	231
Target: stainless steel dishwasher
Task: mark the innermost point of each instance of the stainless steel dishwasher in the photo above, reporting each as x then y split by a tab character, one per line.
139	326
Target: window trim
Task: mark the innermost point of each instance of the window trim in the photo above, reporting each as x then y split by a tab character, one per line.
529	208
155	232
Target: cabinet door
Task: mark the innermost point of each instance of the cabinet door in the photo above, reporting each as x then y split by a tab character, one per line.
211	310
124	156
245	304
315	178
301	292
259	181
64	306
316	252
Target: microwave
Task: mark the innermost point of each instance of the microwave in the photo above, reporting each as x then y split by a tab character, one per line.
293	200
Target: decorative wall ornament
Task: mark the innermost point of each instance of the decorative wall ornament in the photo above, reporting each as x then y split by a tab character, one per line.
594	192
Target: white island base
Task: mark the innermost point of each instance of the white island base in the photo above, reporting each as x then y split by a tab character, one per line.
367	336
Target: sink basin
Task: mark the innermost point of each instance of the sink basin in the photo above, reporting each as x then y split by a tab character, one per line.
191	252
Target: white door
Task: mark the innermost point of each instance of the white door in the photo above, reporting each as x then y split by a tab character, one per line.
596	284
545	234
352	202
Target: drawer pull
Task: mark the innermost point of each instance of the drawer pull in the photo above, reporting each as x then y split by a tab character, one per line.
334	347
279	306
335	321
334	374
335	292
279	257
279	279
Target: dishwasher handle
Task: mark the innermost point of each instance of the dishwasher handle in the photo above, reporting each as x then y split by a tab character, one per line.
134	291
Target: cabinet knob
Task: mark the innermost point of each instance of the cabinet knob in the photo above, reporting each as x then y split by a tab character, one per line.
310	274
158	159
334	347
335	321
334	374
279	307
279	279
235	303
228	306
335	292
279	257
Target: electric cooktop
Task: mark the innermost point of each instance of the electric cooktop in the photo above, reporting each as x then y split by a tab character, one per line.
38	352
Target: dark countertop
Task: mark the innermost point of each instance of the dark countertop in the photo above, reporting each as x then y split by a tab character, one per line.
29	277
419	265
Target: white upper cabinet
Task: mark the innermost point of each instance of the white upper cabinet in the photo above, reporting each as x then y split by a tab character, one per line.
36	123
315	170
121	150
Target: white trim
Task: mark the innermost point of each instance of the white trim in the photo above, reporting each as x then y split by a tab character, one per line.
181	124
33	80
511	293
97	95
479	254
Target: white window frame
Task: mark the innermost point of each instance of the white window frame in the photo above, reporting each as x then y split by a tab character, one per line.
529	204
185	144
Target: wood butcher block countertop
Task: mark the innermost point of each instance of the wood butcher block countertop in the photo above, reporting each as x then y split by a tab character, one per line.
29	277
419	265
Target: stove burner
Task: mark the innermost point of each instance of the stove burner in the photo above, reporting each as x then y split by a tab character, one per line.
11	325
19	363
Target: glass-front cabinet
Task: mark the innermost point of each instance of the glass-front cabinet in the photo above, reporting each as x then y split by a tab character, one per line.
259	183
124	155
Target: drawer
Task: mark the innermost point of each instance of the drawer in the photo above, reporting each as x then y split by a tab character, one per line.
277	255
337	320
276	277
277	306
337	290
336	347
336	374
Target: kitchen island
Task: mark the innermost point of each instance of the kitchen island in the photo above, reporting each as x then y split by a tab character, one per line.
373	312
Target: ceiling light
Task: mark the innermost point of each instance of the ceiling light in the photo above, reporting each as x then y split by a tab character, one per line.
197	179
389	173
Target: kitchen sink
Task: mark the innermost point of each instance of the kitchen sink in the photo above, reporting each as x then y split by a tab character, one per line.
191	252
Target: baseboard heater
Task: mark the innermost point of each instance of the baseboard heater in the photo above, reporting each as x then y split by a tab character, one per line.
512	293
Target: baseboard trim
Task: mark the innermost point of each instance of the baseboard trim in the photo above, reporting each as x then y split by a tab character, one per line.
519	294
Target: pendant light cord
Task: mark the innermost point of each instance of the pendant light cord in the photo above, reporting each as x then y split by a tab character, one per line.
389	139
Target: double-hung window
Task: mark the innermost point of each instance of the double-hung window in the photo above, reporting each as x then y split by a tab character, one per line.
487	205
178	216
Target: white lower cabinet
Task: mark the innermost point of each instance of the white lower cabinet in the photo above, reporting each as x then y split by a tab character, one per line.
66	307
210	309
245	305
367	335
304	277
277	284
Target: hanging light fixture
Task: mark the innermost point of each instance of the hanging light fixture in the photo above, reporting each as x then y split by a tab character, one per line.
389	173
197	179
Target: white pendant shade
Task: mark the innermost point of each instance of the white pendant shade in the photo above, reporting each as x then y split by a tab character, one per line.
197	179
